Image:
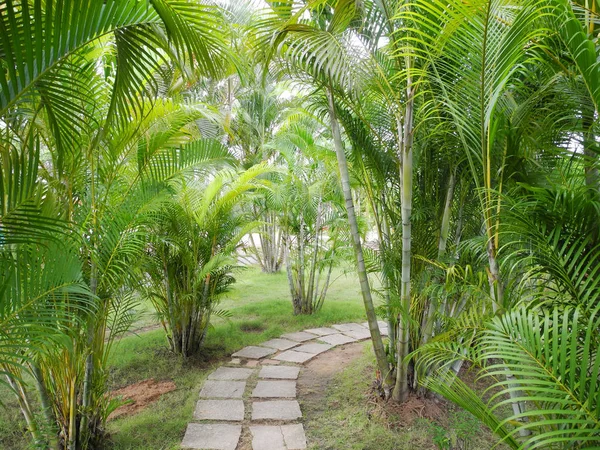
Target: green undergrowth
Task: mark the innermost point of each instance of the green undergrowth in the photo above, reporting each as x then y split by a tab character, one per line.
347	419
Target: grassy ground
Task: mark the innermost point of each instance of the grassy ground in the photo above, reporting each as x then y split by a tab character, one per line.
260	308
348	418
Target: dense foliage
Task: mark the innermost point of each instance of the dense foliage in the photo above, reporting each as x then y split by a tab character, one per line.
142	141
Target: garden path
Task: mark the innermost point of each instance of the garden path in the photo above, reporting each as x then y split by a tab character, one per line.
250	402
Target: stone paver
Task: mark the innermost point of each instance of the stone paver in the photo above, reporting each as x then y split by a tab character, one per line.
280	344
279	372
275	437
348	327
337	339
230	373
218	436
381	324
294	436
299	336
252	352
276	410
294	356
223	389
358	334
270	361
230	410
275	389
314	348
323	331
267	437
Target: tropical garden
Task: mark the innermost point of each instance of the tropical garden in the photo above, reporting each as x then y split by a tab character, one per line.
440	157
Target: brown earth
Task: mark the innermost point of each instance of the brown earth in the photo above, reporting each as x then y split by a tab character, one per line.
139	396
317	374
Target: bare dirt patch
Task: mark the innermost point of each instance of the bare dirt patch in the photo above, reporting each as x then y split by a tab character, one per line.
399	415
140	395
317	374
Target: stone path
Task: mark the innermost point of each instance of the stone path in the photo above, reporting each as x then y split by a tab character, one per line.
255	396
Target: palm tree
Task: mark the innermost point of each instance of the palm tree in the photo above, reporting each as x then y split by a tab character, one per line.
312	207
319	48
190	261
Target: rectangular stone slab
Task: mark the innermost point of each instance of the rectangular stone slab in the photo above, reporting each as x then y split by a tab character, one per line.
276	410
314	348
381	324
348	327
231	410
299	336
267	437
323	331
252	352
223	389
294	436
230	373
275	437
358	334
294	356
279	344
275	389
279	372
337	339
217	436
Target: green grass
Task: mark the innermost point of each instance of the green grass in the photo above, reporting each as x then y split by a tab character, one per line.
345	419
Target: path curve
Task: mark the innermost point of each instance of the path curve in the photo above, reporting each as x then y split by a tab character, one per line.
250	402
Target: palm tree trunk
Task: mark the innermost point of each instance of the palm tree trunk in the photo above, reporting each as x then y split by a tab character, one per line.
380	355
311	283
443	239
44	401
401	388
25	407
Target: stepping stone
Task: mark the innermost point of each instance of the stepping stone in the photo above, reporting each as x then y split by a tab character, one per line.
358	334
230	373
276	410
267	437
294	436
252	352
299	336
381	324
314	348
348	327
270	361
323	331
273	437
336	339
218	436
232	410
294	356
223	389
279	344
281	372
275	389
